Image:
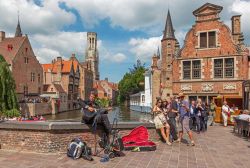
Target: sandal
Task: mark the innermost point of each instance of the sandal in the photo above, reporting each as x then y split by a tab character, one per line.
168	143
192	143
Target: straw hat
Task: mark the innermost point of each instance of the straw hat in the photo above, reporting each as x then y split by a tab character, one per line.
181	94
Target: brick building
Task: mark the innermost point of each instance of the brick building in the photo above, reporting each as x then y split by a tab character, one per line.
86	80
213	60
66	74
106	89
26	69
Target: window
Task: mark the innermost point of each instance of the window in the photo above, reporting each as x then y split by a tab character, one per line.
203	40
32	77
186	69
51	89
196	68
208	39
192	69
218	68
39	78
212	40
143	98
25	90
224	68
26	60
229	68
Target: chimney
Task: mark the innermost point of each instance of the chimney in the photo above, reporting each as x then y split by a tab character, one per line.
2	36
59	59
59	68
236	29
107	79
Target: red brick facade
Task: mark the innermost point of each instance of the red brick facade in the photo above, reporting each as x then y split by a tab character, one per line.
220	43
26	69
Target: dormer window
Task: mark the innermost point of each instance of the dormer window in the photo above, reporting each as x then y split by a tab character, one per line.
207	39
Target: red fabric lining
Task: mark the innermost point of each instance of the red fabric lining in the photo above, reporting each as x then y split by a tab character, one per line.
137	135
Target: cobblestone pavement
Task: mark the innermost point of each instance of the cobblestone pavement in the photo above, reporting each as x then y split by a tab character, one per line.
218	147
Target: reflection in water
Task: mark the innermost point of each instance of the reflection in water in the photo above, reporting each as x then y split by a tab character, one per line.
122	113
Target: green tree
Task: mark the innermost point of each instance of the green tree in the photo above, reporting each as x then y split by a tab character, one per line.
132	82
8	99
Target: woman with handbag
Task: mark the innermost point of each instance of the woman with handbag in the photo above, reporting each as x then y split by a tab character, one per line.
160	121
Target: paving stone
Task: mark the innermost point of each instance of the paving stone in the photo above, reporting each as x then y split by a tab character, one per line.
219	147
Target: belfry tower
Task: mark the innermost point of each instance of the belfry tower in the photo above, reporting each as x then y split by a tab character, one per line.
92	54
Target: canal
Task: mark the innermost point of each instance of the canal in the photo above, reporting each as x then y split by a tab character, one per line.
122	113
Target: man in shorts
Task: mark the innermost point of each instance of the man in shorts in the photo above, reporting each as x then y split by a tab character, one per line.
184	118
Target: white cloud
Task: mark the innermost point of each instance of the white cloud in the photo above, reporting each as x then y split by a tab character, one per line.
45	55
109	56
144	49
119	57
47	18
59	44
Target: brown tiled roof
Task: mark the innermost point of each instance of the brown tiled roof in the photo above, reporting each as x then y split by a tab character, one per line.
66	66
10	46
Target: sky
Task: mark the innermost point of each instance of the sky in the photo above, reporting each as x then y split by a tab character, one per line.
127	30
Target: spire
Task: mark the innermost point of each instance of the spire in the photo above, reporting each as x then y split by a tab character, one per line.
18	29
158	53
169	30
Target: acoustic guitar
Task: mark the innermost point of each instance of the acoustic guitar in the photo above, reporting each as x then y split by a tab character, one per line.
91	114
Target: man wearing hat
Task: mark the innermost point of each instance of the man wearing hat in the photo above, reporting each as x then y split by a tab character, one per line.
184	118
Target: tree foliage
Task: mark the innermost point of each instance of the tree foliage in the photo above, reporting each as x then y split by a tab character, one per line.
132	82
8	99
103	102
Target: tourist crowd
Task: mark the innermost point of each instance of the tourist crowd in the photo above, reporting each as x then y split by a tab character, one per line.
34	100
176	116
23	118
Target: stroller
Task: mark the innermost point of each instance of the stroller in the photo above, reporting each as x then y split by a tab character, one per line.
112	147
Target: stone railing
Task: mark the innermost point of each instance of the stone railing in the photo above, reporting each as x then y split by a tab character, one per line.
54	136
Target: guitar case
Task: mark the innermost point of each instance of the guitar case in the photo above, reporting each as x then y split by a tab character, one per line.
137	140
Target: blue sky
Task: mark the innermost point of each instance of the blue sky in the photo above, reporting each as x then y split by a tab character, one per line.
127	29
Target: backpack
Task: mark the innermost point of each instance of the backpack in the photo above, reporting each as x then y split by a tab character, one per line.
75	148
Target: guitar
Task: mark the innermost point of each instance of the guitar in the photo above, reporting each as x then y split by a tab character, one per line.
91	114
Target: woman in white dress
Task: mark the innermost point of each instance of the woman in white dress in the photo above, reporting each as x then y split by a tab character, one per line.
160	121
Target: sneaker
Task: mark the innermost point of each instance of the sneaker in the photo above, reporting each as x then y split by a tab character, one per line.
178	140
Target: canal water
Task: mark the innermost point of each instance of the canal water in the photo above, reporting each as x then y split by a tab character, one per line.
122	113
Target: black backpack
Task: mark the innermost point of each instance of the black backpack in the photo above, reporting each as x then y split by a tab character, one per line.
77	148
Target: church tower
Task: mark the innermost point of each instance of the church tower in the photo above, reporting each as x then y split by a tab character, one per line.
92	54
18	29
169	46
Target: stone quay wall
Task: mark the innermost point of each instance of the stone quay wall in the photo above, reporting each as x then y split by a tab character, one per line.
53	137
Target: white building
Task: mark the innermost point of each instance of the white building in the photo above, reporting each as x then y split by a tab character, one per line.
142	101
